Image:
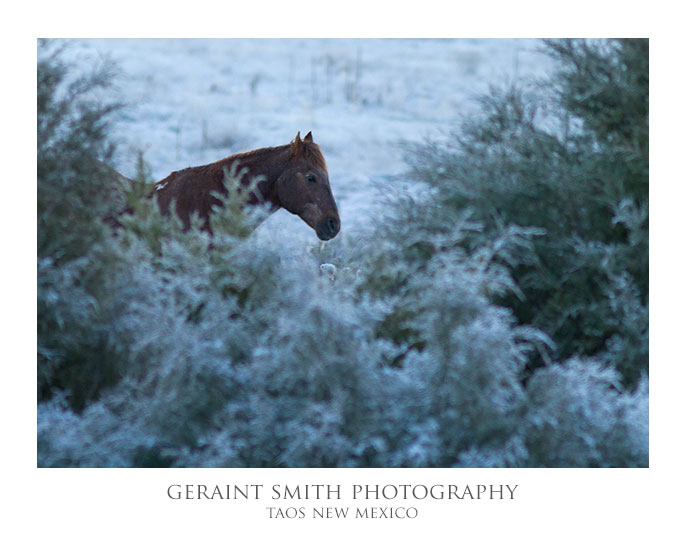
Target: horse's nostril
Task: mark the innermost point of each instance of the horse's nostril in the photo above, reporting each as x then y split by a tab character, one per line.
333	225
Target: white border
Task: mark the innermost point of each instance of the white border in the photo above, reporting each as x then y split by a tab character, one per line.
134	501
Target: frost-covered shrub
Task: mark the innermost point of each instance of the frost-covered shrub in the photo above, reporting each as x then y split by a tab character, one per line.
578	417
569	158
433	301
74	187
75	197
97	437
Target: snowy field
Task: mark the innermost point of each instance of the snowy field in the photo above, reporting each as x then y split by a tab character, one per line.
193	102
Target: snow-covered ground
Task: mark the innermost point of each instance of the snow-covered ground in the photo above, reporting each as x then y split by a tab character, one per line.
196	101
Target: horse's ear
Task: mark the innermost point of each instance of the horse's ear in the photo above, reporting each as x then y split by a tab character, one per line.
308	137
297	145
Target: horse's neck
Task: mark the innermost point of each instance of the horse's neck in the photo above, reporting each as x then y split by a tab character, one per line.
269	163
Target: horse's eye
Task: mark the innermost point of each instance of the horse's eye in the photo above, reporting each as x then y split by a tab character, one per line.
312	179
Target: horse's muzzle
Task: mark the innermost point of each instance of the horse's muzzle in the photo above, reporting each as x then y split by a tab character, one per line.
327	228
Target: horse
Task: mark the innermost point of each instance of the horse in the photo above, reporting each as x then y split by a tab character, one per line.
292	176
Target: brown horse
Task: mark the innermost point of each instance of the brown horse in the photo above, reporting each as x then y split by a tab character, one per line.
292	176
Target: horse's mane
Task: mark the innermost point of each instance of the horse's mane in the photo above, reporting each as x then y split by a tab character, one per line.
255	152
308	151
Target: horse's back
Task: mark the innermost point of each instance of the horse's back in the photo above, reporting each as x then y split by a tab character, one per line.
192	189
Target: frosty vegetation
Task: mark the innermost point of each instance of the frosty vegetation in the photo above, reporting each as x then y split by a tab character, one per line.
495	317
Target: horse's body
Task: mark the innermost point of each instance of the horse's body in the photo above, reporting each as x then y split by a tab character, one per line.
292	176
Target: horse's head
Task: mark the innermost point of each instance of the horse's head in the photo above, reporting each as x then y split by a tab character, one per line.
304	189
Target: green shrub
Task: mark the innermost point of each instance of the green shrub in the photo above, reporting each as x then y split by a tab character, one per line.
570	160
77	350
